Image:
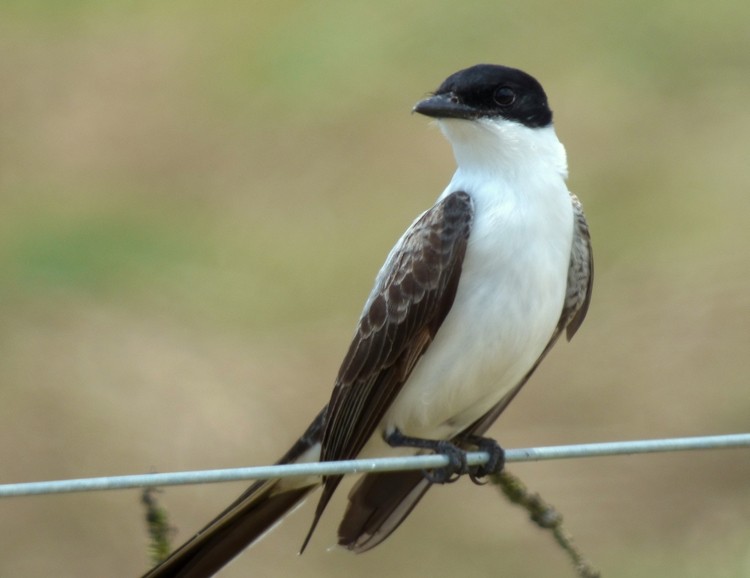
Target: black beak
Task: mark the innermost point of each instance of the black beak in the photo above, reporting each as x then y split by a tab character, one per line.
444	105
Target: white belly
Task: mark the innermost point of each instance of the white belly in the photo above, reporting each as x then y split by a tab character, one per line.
509	300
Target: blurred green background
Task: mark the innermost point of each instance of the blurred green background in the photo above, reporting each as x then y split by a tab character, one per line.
195	198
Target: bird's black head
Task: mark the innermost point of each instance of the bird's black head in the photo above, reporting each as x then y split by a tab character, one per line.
489	91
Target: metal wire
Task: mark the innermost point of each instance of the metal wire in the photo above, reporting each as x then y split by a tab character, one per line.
372	465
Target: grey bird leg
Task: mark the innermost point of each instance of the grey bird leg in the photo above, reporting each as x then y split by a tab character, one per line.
457	465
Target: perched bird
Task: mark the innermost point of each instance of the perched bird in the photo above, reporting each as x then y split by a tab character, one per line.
469	301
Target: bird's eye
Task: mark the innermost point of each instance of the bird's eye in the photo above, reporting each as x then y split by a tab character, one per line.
504	96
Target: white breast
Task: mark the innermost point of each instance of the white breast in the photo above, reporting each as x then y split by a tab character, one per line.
509	300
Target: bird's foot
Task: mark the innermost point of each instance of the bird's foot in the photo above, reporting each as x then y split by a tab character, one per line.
456	467
494	465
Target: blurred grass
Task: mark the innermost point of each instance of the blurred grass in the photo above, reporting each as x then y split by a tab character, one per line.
195	199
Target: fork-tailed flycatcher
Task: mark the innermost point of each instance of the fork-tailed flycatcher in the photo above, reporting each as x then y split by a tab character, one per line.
469	301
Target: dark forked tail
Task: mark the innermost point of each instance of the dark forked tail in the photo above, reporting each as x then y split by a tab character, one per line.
224	538
378	503
245	521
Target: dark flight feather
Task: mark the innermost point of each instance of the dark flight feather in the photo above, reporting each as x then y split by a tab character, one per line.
409	303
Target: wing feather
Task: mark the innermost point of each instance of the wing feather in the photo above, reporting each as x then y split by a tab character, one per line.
413	294
410	301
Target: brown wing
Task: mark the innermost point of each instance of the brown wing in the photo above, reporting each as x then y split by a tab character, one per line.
580	274
413	294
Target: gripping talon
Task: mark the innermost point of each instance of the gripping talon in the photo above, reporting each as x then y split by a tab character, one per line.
448	474
494	465
456	467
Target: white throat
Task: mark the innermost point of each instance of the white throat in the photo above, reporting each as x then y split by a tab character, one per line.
499	145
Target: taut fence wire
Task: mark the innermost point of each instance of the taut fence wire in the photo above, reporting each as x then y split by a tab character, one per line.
421	462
